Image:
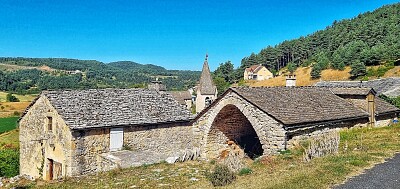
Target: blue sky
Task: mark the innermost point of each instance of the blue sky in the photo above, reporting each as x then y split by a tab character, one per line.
172	34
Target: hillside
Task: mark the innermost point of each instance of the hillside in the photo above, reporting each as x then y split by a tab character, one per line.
31	75
303	76
367	39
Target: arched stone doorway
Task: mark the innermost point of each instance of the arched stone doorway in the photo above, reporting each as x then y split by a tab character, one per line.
231	125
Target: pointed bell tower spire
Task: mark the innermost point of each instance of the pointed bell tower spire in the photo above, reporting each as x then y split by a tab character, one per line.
206	90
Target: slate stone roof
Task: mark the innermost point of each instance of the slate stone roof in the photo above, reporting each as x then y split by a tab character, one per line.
300	105
382	107
387	86
181	96
82	109
351	91
206	85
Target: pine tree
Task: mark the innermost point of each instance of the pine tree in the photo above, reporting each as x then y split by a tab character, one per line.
358	69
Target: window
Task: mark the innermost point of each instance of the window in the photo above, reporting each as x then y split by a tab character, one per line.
49	123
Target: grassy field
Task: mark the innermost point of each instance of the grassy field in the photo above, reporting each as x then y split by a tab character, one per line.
8	124
10	139
11	108
22	98
360	149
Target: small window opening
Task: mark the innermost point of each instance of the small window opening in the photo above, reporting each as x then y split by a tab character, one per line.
49	123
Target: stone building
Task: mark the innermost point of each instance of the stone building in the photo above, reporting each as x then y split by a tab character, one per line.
183	97
386	86
265	120
380	112
257	72
75	132
206	90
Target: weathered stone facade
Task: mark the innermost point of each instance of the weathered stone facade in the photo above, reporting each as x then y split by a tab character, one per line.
212	140
39	145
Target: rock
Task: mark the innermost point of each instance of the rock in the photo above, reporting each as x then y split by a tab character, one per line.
172	159
194	179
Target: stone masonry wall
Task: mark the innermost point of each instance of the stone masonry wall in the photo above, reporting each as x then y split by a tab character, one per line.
269	131
38	144
294	136
88	145
167	140
385	120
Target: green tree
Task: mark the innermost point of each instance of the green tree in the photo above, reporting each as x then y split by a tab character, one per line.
316	71
357	69
221	84
226	71
291	67
11	98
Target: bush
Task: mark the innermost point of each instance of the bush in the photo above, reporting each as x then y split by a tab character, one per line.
9	163
16	113
11	98
221	176
245	171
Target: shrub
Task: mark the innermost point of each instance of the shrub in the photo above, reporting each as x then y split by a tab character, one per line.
11	98
245	171
221	176
16	113
9	163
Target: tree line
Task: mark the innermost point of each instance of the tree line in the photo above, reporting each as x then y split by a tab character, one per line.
94	74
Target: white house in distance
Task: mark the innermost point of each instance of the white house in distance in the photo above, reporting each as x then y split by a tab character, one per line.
257	72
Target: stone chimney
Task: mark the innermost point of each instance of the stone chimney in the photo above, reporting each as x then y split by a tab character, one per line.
290	80
157	85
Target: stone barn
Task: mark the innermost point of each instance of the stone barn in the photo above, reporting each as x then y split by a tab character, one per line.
263	121
75	132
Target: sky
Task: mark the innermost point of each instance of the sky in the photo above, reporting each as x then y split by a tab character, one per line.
169	33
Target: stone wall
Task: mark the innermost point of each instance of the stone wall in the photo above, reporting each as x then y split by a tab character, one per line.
88	146
167	140
294	136
38	144
385	120
269	131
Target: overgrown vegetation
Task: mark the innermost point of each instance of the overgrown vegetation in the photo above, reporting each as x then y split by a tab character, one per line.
221	175
392	100
9	162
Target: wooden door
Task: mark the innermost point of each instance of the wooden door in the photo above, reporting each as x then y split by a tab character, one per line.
116	139
50	169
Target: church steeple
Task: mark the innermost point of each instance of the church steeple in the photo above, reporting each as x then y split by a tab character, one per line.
206	90
206	85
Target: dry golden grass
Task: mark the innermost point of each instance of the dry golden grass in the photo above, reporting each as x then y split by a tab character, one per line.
11	107
304	77
395	72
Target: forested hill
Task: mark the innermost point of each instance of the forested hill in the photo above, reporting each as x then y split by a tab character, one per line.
31	75
368	39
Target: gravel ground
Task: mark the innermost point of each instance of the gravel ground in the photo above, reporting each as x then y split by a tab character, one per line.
382	176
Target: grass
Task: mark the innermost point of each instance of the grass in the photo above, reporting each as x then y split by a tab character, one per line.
359	149
9	108
22	98
10	139
8	124
304	77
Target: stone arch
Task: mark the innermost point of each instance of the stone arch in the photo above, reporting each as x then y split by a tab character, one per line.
231	125
269	131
